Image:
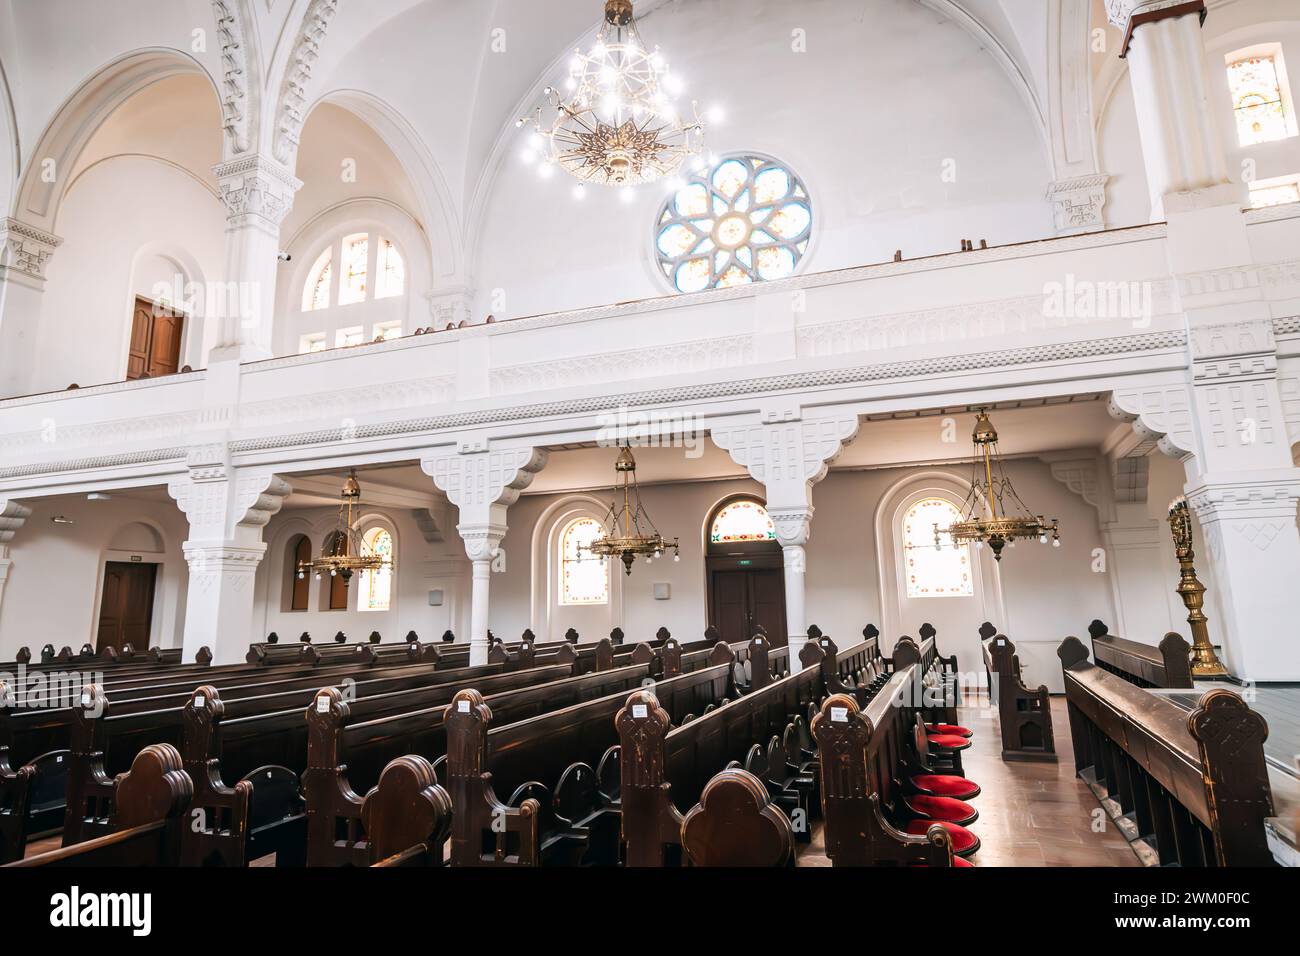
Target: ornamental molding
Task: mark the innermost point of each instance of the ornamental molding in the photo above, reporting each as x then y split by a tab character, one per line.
787	457
107	389
1219	281
476	480
292	106
234	75
13	515
256	190
1257	509
219	502
1119	12
25	250
793	528
1161	415
1130	478
698	356
1077	203
113	433
1288	387
1084	477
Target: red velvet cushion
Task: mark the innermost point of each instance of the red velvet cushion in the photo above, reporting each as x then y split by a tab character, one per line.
942	809
946	785
954	729
948	741
964	842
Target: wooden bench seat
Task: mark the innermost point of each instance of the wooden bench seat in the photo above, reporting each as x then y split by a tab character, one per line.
1168	665
1024	715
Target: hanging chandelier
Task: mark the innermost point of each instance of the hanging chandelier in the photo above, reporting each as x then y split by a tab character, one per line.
623	536
615	122
993	513
343	552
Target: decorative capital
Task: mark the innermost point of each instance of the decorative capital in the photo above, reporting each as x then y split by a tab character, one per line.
13	515
257	190
25	250
1161	415
476	478
788	456
1077	203
793	525
1128	15
449	308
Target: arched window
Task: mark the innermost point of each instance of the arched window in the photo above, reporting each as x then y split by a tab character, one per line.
375	590
299	581
584	577
1258	98
370	269
934	571
747	219
741	520
316	293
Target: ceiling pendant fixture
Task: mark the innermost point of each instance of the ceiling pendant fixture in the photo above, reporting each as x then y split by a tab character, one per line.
615	121
343	552
623	536
993	513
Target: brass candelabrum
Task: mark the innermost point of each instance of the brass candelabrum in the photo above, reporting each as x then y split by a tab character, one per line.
1205	663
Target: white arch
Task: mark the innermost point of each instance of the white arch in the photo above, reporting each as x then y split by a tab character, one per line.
40	196
546	619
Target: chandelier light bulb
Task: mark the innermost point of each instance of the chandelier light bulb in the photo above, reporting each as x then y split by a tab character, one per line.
677	558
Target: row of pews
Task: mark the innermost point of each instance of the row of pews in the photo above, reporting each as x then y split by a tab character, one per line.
518	762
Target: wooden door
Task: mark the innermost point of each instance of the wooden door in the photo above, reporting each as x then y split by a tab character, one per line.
156	335
126	608
742	600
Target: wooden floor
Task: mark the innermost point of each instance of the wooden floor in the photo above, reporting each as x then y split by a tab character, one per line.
1031	814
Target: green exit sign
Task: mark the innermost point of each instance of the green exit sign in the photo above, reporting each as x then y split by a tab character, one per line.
744	563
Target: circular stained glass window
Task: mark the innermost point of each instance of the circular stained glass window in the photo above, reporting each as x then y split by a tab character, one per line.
746	219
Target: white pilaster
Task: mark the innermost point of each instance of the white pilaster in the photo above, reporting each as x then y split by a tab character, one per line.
1184	159
258	193
482	483
788	454
227	509
25	252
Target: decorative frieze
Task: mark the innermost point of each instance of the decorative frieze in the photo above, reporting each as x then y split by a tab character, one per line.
1078	203
234	76
256	190
292	107
25	251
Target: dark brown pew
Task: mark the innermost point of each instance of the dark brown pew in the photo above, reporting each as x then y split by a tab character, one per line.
1168	665
1192	787
1024	715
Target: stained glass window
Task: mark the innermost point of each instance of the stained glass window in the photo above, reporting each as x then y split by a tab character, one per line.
746	219
1275	194
311	343
356	255
316	293
743	520
391	280
376	588
1257	100
584	578
932	572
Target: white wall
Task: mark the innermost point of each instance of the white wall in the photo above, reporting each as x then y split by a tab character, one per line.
53	592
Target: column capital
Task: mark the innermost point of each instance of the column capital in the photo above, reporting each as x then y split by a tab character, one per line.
476	477
482	541
25	251
257	191
787	453
13	515
1263	501
793	525
1077	203
225	506
449	307
1128	15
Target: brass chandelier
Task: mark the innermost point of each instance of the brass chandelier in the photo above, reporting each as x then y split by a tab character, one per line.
624	537
615	123
343	552
993	513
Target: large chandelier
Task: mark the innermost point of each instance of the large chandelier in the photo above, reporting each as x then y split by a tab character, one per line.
343	552
993	513
615	122
623	536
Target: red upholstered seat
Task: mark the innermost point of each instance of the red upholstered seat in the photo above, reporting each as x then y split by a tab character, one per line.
945	785
948	741
964	842
953	729
941	809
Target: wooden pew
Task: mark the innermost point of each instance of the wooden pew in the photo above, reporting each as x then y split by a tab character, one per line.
860	753
1024	715
1168	665
667	770
1192	787
149	813
346	755
939	702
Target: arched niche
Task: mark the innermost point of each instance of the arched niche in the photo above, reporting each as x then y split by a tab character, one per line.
549	617
744	570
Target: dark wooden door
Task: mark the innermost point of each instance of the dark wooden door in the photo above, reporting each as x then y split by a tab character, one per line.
155	341
741	600
126	609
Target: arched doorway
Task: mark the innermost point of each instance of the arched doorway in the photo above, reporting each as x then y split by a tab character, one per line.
745	571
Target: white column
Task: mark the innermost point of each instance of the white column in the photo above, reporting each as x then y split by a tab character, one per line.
482	482
1181	148
13	515
258	193
227	509
25	252
789	454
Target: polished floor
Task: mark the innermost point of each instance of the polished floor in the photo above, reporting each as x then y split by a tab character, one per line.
1031	814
